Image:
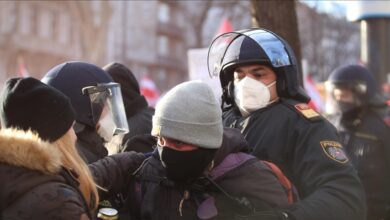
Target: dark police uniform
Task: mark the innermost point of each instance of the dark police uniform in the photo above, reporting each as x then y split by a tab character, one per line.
305	146
366	138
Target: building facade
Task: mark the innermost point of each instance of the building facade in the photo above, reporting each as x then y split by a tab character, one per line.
148	36
41	34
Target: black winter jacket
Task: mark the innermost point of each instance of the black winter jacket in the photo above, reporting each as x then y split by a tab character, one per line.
35	185
366	138
90	145
157	197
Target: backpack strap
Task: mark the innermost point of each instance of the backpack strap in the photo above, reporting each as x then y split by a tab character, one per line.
284	181
230	162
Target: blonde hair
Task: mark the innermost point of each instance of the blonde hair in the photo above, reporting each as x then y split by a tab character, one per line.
72	160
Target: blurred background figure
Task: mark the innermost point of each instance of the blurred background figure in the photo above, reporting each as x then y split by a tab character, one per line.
138	113
358	112
99	111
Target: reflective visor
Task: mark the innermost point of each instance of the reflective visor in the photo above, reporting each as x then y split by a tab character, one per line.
273	47
217	52
108	95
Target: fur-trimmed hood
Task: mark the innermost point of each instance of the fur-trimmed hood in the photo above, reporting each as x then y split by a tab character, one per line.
26	149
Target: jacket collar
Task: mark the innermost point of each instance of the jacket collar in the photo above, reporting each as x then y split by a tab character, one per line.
232	142
26	149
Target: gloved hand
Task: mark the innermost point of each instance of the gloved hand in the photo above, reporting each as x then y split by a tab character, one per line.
265	215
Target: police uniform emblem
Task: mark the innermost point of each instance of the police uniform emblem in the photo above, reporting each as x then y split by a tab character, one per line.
334	151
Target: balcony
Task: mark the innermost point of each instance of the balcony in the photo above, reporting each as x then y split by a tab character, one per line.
171	63
170	29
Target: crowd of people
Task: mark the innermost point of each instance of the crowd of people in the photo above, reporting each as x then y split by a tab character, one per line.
82	142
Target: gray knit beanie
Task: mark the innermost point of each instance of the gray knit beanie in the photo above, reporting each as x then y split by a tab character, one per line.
190	113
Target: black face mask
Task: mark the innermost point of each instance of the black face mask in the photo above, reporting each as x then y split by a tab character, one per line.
185	166
346	107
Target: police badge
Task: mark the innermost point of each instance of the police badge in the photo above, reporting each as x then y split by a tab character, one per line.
334	151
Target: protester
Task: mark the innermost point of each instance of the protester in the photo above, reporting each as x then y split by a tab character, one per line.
262	97
198	170
138	113
99	111
358	114
43	176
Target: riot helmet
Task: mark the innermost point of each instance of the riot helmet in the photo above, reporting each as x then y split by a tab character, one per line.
91	91
356	82
254	46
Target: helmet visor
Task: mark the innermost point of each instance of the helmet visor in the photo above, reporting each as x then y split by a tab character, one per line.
273	47
217	52
338	95
108	96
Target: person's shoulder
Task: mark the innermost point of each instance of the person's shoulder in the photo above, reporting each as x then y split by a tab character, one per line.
376	122
57	190
54	199
302	110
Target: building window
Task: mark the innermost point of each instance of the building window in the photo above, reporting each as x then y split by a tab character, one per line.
180	19
63	28
179	50
163	12
25	19
45	24
7	16
96	12
163	45
161	77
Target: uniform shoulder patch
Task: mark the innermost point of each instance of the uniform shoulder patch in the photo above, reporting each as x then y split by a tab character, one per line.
307	111
334	151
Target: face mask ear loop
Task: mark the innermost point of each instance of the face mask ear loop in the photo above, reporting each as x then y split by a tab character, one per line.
277	98
271	84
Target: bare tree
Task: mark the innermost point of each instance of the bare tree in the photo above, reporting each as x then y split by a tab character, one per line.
279	16
203	18
327	41
195	14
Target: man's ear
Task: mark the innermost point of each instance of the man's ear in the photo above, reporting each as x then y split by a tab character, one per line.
160	141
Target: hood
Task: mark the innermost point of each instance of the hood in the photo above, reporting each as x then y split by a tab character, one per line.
132	98
232	142
25	162
26	149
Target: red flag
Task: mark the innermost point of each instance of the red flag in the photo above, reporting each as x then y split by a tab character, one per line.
225	27
316	101
22	70
149	90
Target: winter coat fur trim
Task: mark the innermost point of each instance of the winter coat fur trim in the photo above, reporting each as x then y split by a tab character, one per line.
26	149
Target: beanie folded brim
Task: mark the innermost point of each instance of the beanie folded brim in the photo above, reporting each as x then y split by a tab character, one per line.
190	133
29	104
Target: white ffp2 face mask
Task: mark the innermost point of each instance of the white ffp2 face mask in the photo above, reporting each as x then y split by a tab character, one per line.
107	127
251	95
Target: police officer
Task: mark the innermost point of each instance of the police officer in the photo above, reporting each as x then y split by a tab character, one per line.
97	101
358	113
100	113
262	97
